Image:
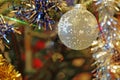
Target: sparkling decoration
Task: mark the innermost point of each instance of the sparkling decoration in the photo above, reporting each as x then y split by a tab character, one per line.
77	28
41	13
116	58
4	28
7	71
106	48
115	65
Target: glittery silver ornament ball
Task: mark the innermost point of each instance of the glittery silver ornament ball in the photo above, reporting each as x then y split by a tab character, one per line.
77	28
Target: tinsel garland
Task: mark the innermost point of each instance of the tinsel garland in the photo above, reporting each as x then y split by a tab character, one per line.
41	13
106	48
7	71
6	29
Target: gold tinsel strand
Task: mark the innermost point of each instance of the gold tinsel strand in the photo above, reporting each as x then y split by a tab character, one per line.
7	71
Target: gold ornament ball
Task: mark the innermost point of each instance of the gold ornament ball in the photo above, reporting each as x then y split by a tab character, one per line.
77	28
78	62
83	76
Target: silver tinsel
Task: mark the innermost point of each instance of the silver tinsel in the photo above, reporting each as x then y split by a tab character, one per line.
105	47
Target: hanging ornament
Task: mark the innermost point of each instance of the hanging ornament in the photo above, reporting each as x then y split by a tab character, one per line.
39	13
78	62
77	28
83	76
37	63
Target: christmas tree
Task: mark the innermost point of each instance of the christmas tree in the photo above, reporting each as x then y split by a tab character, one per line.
59	40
